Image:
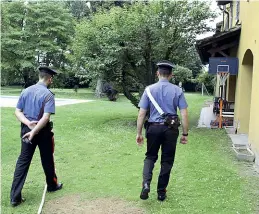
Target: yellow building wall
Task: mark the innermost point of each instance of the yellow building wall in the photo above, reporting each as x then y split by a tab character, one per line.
231	88
247	90
254	111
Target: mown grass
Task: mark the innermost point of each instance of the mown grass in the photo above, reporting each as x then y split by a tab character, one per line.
82	93
96	155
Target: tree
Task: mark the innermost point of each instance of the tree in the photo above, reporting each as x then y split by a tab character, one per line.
16	53
34	33
194	62
208	80
103	5
123	44
182	74
85	9
79	9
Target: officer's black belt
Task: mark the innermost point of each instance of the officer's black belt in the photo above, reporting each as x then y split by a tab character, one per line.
157	124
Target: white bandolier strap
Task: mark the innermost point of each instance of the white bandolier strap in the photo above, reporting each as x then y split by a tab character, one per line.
161	112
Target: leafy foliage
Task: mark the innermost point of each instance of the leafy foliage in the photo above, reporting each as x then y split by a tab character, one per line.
124	44
34	33
182	74
79	9
208	80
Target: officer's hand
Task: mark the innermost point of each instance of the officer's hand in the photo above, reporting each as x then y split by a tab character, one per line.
32	124
29	135
139	140
184	140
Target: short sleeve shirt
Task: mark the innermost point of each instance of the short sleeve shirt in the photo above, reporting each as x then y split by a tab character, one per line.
36	100
168	96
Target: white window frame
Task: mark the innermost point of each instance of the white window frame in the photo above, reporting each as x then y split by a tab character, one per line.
237	10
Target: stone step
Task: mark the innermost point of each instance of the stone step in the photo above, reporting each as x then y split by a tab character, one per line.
243	152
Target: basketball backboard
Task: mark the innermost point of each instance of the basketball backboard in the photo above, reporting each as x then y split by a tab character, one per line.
223	64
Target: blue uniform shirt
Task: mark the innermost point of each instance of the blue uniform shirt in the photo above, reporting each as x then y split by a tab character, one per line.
167	96
32	99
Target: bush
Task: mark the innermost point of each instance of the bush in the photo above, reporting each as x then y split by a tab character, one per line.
181	74
208	80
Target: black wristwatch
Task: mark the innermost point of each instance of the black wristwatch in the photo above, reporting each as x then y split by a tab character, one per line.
185	135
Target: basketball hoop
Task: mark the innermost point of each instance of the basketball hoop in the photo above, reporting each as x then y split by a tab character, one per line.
223	76
223	72
223	67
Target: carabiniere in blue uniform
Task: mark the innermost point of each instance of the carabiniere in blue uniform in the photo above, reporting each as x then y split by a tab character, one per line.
33	103
169	97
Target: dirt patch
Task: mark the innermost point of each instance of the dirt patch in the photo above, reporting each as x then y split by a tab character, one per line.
75	204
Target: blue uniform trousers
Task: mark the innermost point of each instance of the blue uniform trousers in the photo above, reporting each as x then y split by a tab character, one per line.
45	141
166	138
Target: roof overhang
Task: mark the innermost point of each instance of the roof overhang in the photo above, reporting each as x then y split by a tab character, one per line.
218	45
222	2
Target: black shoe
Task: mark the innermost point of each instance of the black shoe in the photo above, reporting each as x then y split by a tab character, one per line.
16	203
144	192
161	196
58	187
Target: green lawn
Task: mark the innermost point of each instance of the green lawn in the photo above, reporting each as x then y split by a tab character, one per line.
96	156
82	93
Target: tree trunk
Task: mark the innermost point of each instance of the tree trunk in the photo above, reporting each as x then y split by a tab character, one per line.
129	96
99	88
26	79
147	57
126	92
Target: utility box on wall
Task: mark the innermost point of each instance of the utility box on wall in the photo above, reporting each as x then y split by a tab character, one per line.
223	64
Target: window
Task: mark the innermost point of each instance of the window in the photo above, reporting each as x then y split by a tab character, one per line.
231	15
237	10
226	20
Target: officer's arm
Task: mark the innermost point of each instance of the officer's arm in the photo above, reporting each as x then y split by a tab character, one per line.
141	118
42	122
20	116
185	121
